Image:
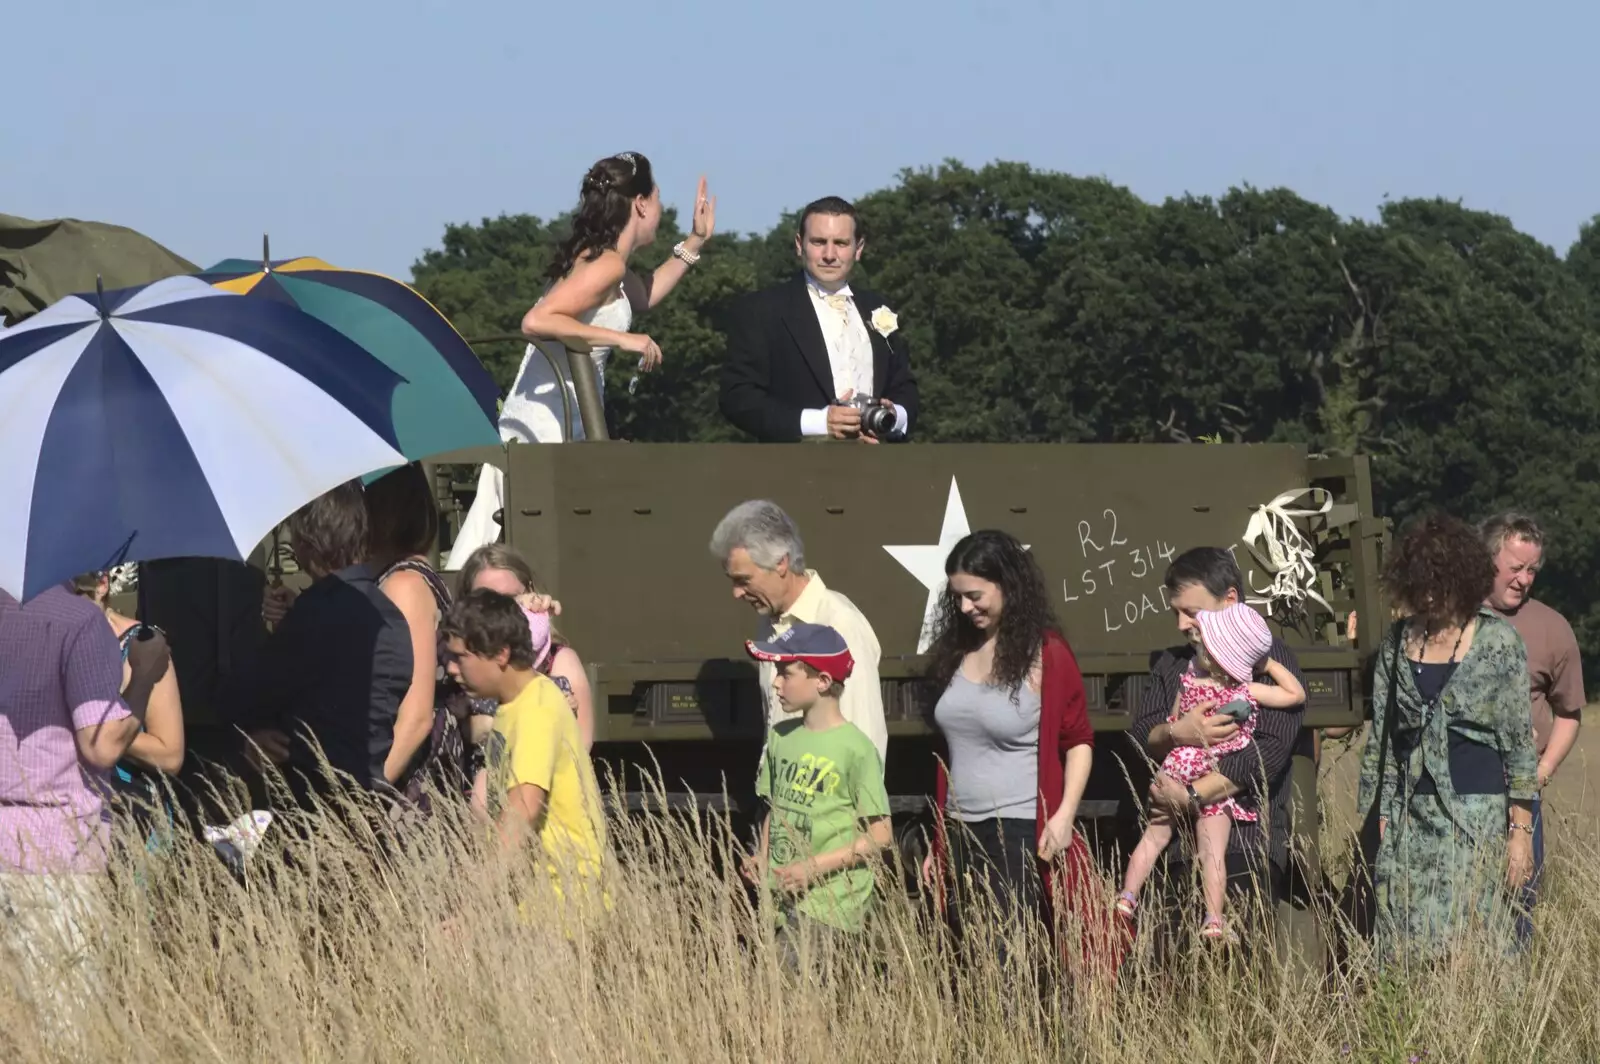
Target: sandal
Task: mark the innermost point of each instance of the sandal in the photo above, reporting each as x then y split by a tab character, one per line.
1127	904
1213	927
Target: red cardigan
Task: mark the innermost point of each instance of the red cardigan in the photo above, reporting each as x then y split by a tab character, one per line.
1063	724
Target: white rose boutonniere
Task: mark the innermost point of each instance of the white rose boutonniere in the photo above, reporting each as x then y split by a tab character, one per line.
884	322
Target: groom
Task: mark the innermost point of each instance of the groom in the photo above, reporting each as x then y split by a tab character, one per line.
798	351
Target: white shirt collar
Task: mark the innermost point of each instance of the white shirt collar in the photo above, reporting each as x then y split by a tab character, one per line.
819	292
806	607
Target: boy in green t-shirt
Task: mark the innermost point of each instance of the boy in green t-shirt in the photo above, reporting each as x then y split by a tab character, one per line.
823	780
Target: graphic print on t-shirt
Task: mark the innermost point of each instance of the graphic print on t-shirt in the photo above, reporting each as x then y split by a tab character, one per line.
821	786
800	781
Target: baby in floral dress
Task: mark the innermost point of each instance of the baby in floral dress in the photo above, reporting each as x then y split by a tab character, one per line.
1233	644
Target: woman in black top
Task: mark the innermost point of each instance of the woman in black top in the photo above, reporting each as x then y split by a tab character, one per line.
339	663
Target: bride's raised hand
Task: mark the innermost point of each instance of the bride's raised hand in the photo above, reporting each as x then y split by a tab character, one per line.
705	212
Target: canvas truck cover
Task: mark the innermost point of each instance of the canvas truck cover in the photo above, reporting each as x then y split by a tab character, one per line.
42	262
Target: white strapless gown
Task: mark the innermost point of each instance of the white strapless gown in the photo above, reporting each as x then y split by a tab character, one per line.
533	413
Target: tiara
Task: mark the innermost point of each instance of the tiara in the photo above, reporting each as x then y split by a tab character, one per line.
633	160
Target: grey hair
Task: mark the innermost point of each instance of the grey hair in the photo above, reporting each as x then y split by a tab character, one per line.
762	528
1510	525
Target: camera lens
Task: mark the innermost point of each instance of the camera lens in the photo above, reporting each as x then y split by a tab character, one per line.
879	421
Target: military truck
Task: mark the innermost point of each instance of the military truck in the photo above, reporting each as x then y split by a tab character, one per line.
620	534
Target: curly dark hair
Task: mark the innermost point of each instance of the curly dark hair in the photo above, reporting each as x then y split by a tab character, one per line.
488	622
604	201
1025	619
1440	572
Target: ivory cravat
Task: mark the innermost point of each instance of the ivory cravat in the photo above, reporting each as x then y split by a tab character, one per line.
844	345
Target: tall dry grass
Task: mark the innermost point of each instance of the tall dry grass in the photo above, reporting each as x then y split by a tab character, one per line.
340	948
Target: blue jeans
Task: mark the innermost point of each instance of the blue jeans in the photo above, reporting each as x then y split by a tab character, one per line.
1530	891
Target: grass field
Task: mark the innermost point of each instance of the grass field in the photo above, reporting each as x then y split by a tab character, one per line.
445	952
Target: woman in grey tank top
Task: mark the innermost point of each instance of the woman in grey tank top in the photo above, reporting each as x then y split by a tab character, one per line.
1009	701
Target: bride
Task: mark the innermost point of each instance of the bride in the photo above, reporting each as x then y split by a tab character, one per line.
587	310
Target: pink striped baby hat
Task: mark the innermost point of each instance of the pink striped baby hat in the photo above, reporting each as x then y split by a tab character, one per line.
1237	639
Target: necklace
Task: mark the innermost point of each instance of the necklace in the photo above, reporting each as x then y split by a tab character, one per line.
1423	640
1417	668
1407	745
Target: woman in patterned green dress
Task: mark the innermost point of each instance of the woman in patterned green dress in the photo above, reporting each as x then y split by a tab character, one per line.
1450	759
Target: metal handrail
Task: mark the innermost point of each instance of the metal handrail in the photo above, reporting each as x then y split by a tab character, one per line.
561	380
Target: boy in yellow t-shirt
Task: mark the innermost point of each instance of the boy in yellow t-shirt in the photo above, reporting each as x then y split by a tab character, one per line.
539	774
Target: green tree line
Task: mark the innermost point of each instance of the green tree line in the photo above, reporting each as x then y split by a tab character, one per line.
1462	355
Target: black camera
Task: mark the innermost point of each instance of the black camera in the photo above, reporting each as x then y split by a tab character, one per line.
876	418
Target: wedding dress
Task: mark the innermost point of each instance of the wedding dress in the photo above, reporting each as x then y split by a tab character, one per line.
533	413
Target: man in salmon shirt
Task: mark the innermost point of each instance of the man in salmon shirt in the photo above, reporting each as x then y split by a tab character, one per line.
1555	667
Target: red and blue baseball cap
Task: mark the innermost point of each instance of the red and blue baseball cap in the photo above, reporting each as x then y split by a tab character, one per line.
817	645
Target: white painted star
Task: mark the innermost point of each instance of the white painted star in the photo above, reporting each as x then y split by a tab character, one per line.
926	561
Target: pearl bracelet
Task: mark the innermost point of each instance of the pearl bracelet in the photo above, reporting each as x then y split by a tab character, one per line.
683	254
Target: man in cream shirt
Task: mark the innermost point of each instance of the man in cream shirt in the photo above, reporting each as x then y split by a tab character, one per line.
760	549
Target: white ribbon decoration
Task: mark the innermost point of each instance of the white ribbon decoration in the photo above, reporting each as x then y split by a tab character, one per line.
124	577
1288	556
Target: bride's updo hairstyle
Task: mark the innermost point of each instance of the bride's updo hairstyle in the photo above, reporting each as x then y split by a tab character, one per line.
604	203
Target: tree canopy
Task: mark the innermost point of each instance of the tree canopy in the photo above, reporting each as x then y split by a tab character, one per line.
1462	355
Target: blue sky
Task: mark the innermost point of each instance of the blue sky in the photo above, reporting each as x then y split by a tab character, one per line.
356	130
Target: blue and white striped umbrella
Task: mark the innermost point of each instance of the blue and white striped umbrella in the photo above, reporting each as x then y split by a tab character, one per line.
174	419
